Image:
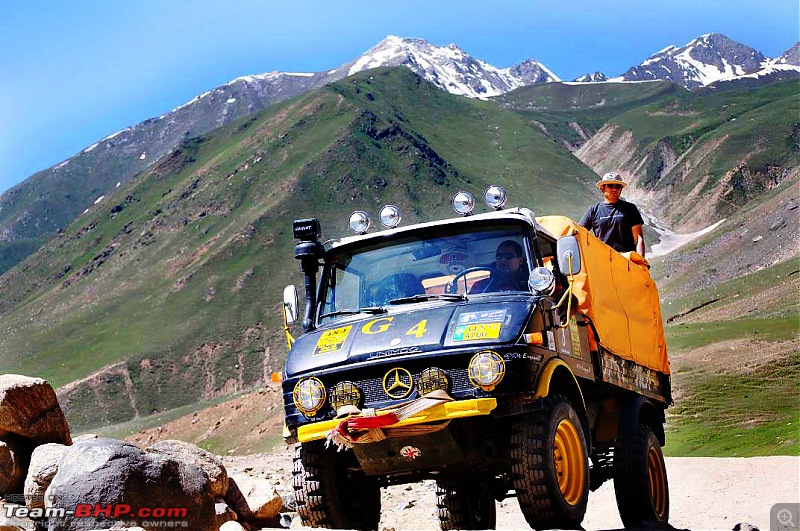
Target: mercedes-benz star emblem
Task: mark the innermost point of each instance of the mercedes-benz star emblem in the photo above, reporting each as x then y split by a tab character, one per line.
397	383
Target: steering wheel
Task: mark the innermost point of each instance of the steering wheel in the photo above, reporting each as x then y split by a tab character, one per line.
495	277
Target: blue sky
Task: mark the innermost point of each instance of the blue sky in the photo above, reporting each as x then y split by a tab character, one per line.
74	72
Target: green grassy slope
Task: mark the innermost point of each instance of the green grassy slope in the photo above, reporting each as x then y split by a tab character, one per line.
726	148
589	105
735	354
731	302
174	282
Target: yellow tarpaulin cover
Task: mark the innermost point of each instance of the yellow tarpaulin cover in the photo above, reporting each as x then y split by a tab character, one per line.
618	294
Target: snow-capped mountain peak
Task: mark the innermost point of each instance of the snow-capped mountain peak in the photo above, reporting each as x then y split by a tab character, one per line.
790	56
451	68
594	77
704	60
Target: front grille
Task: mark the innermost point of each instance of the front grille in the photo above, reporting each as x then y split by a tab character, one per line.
373	387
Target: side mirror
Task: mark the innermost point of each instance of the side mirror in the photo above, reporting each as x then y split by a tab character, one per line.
290	304
568	249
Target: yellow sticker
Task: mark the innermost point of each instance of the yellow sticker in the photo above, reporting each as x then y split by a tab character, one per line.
475	332
332	340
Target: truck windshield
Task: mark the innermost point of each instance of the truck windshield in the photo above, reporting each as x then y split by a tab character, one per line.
462	259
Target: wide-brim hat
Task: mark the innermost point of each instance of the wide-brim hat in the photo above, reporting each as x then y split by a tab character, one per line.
611	178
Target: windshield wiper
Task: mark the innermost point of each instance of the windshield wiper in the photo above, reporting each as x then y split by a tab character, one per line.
430	297
349	311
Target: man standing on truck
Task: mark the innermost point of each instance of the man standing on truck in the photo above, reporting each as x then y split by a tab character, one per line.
615	221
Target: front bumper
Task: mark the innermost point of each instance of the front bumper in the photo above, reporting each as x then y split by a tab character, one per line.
458	409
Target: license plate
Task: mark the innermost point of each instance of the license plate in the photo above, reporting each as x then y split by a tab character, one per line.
476	332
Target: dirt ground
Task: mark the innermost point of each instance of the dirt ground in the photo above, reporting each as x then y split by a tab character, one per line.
705	493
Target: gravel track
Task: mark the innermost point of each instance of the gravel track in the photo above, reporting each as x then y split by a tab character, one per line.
705	493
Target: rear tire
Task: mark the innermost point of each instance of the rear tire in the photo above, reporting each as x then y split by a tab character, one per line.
465	505
640	479
550	465
330	493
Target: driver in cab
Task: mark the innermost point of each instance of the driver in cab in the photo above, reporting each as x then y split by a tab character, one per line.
510	272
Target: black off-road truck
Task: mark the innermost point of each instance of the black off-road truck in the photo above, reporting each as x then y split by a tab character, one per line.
421	360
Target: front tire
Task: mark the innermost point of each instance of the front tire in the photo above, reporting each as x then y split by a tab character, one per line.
640	479
465	505
329	490
550	465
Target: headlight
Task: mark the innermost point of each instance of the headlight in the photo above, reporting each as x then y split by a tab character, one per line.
542	281
345	394
309	396
432	379
486	370
464	203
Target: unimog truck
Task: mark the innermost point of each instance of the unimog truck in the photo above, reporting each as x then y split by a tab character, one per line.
418	362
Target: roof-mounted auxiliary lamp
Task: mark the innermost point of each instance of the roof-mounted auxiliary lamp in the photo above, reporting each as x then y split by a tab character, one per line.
464	202
495	197
389	215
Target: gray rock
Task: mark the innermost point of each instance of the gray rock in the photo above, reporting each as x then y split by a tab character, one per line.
29	407
253	498
85	437
210	464
116	473
778	224
42	469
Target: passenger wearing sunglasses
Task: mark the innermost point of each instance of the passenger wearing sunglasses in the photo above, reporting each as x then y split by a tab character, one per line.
615	221
511	274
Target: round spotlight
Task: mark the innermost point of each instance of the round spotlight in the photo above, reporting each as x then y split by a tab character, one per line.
495	197
359	222
542	281
345	394
432	379
309	396
390	216
486	370
464	203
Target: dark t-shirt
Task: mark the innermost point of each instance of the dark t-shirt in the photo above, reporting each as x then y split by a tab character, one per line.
507	282
612	223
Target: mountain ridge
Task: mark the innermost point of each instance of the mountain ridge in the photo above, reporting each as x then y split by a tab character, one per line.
174	275
47	201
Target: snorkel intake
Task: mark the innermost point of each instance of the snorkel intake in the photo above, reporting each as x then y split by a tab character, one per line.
309	251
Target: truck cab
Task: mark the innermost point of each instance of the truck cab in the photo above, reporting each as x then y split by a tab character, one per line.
425	355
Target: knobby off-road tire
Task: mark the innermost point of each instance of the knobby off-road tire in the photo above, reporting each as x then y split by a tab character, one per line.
328	493
465	505
550	465
640	479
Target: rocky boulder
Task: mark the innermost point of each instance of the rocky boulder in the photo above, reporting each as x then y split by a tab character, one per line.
210	465
29	408
29	416
254	498
103	473
42	469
